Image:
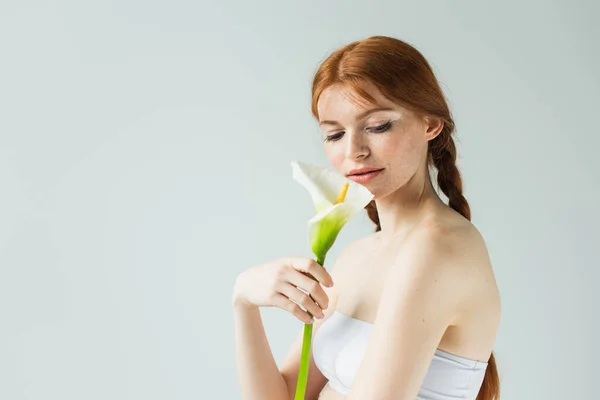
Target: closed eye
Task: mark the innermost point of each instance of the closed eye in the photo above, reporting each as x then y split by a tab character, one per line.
381	128
377	129
334	137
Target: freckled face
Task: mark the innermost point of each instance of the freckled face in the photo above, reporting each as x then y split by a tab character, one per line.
390	139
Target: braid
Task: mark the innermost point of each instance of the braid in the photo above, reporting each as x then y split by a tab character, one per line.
443	157
373	215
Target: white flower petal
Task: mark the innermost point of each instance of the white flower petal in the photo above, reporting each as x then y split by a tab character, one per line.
308	176
324	186
357	197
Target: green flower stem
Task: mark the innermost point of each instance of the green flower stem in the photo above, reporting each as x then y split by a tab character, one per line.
305	356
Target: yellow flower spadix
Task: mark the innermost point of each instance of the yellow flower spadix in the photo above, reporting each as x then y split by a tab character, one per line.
342	194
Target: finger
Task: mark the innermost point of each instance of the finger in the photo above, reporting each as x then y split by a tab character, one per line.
303	299
313	268
310	286
286	304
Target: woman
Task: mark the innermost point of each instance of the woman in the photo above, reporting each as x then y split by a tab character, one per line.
412	310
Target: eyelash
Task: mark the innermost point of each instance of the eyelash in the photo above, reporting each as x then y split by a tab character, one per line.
377	129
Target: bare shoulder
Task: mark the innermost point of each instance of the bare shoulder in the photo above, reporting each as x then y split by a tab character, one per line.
461	252
451	250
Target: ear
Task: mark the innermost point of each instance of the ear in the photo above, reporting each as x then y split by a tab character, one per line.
434	126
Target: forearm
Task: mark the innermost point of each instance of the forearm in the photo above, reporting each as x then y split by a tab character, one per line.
258	374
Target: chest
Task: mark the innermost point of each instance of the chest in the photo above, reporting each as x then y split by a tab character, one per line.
362	279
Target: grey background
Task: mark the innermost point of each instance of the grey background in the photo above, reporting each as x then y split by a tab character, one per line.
144	163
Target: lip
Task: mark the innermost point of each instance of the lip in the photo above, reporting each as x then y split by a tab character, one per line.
366	177
362	171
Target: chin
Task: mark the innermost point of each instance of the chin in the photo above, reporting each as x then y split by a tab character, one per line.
376	191
381	191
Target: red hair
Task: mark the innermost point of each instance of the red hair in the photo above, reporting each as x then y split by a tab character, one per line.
403	75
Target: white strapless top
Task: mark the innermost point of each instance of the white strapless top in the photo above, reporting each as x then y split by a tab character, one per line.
339	346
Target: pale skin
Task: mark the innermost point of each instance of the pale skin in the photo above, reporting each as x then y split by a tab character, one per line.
425	280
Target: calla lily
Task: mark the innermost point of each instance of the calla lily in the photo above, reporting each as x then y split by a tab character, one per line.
324	186
336	200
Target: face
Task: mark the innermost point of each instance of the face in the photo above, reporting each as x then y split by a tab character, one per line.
393	140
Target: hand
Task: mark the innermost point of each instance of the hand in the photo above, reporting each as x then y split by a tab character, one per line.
282	283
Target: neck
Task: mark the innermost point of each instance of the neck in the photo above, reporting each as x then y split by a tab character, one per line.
403	209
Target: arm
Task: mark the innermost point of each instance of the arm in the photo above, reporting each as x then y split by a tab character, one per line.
259	376
419	301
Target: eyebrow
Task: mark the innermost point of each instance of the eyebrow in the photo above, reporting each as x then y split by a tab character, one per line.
360	116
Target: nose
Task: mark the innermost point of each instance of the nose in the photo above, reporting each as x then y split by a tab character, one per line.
357	147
